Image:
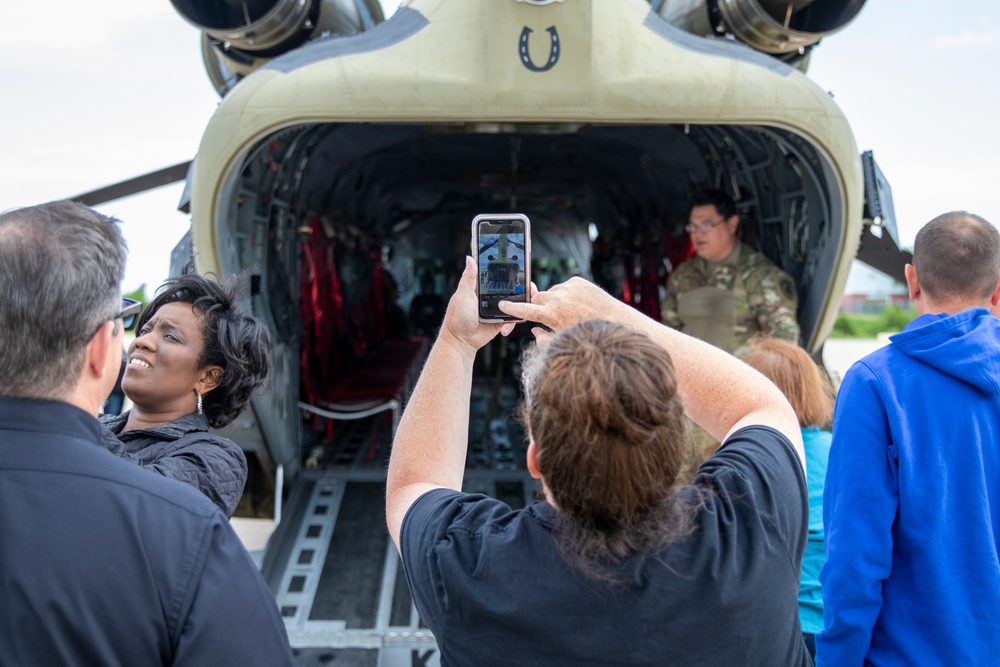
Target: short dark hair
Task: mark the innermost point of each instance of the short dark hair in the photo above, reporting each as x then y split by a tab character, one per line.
237	341
722	202
957	255
603	406
61	269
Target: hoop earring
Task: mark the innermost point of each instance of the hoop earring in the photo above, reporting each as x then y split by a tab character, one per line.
199	401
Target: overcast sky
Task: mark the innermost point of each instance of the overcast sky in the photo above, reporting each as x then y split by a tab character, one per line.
94	93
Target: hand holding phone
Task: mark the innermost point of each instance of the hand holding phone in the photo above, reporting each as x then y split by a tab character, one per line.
501	246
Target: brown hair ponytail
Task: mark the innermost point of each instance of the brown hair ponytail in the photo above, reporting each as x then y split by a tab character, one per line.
603	408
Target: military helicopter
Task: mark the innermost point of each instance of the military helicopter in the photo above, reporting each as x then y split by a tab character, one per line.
349	154
500	268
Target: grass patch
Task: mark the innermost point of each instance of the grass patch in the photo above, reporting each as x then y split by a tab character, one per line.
890	320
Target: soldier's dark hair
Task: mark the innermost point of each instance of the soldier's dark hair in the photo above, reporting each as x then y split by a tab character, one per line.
61	269
957	255
235	340
603	408
722	202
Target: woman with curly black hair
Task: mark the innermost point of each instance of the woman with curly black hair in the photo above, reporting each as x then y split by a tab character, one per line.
195	361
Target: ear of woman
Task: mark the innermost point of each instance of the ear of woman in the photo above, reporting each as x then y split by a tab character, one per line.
210	379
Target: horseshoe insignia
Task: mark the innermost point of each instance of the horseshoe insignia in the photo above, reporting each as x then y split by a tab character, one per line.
553	49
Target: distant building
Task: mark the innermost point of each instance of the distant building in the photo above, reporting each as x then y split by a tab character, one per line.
869	292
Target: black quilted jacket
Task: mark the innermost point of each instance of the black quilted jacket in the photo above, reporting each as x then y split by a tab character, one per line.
184	450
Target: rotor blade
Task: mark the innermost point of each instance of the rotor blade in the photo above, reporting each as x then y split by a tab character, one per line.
134	186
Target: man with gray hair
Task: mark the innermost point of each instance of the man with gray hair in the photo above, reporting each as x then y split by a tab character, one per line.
912	500
102	562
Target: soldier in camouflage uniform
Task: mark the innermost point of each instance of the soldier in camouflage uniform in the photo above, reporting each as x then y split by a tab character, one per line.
728	292
725	294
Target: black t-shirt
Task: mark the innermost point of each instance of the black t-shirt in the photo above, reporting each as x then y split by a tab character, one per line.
490	582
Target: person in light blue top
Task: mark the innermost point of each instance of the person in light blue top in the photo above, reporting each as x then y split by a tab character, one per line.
811	395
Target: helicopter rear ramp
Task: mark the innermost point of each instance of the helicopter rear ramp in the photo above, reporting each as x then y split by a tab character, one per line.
335	573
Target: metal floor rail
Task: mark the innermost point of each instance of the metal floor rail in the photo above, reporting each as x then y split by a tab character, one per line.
337	577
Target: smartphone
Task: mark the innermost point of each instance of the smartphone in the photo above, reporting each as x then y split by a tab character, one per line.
501	244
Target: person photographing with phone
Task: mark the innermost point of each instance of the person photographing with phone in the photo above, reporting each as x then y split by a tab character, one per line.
615	565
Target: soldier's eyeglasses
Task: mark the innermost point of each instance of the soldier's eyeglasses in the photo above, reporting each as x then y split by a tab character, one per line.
129	313
703	227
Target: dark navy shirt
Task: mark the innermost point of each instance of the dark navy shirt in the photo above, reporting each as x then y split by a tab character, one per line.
104	563
492	586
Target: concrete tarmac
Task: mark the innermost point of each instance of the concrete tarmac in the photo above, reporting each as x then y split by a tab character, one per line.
839	354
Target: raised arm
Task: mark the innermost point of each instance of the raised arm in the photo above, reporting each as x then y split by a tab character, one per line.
720	393
431	442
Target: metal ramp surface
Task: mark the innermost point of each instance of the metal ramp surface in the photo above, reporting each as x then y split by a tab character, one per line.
336	575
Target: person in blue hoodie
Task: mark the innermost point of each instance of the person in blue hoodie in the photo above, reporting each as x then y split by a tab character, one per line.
912	499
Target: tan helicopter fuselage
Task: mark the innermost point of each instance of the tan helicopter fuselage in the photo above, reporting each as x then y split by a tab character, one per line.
342	176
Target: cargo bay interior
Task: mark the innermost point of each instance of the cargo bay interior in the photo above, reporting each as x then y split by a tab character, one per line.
356	233
354	236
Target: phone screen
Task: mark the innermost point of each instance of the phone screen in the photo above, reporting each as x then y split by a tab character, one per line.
501	244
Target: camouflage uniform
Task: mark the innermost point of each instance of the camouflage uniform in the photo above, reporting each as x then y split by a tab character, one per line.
727	302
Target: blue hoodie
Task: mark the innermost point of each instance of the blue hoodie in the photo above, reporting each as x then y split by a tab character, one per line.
912	501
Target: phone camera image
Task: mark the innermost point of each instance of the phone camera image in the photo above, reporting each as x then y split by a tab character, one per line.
502	248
